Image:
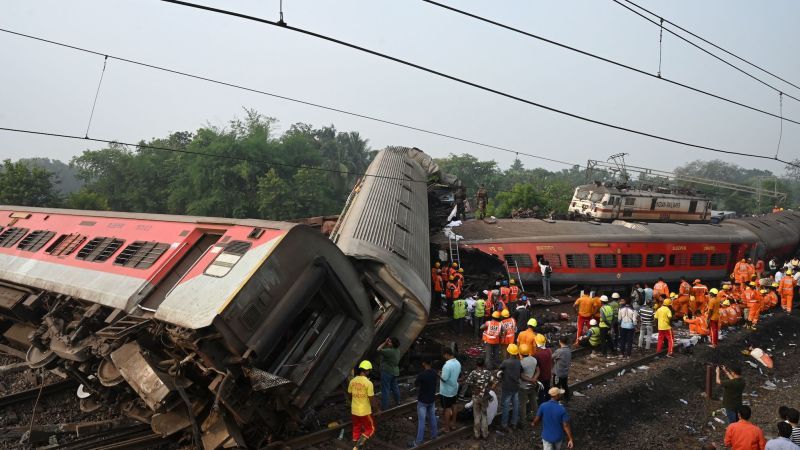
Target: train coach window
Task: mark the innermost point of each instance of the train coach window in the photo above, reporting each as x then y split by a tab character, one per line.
36	240
605	261
719	259
140	254
679	259
656	260
699	259
553	258
518	260
629	201
632	260
99	249
65	244
10	236
578	261
227	258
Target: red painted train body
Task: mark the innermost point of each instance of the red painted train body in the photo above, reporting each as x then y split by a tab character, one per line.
627	252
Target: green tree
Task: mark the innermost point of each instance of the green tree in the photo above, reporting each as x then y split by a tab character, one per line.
521	196
23	185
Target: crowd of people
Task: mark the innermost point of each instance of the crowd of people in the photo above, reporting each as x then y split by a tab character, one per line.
527	382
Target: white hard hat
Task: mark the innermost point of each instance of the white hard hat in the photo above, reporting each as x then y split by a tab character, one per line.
615	295
603	298
592	322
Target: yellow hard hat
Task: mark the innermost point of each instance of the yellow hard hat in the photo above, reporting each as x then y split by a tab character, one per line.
505	313
752	284
726	287
763	291
532	323
691	297
673	295
540	339
667	302
714	291
496	315
437	264
455	264
366	365
511	281
525	349
512	349
726	303
460	270
452	278
775	285
788	271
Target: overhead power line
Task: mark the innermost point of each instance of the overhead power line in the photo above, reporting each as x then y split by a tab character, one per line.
714	45
219	156
695	45
607	60
470	83
290	99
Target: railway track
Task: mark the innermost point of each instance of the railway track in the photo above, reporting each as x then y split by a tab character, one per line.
31	394
464	432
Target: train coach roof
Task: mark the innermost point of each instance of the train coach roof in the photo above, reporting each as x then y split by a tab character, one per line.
152	217
524	230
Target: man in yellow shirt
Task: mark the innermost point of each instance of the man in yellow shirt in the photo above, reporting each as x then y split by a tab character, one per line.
664	316
362	404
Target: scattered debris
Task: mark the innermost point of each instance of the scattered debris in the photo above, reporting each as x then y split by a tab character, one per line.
683	401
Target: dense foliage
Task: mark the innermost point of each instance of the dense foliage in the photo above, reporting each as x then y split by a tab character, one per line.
303	172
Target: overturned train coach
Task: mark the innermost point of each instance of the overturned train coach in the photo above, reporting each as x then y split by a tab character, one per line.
224	330
626	252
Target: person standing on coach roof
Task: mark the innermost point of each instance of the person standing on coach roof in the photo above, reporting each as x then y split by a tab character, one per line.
426	402
362	405
448	389
390	370
555	422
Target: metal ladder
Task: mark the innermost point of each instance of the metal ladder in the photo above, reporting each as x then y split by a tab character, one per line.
455	256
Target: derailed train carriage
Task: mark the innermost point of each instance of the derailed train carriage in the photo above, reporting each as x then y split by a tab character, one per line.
223	329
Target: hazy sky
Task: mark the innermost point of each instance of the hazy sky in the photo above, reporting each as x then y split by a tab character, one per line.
43	87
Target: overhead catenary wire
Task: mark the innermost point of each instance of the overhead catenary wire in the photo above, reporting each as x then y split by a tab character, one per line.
222	156
96	94
693	44
470	83
290	99
714	45
657	76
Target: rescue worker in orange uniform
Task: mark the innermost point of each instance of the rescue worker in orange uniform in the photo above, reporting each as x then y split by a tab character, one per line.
459	276
712	314
453	270
741	273
505	292
771	298
528	337
700	291
662	288
513	294
491	340
585	307
436	281
759	268
453	292
681	304
508	329
787	285
749	300
698	324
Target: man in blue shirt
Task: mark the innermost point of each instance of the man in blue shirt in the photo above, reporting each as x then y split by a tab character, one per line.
448	389
555	422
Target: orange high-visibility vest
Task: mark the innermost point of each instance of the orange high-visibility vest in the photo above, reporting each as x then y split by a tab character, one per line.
437	280
491	335
662	288
787	286
508	330
504	293
514	293
685	288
